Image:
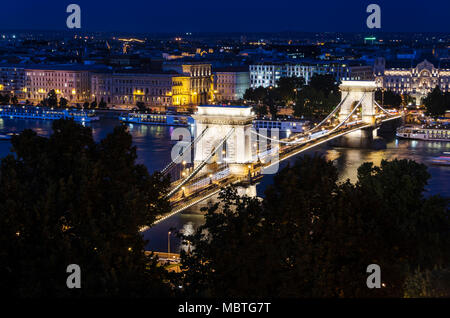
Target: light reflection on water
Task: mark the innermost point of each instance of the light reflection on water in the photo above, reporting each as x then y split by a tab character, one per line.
154	146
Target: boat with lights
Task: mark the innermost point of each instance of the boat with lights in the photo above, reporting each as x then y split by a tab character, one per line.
431	133
164	119
35	112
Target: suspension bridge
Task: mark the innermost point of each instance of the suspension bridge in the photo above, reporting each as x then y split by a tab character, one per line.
227	150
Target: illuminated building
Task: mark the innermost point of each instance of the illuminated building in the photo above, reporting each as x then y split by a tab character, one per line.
267	74
12	79
417	81
230	85
199	78
127	89
69	81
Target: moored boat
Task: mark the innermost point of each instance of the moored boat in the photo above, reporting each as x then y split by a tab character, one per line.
166	119
433	133
36	112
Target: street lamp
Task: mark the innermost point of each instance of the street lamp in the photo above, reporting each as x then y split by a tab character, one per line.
168	244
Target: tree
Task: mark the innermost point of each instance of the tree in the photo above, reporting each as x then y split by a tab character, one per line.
437	103
102	104
14	100
312	236
52	99
4	99
256	94
429	283
260	110
94	104
388	98
325	83
140	105
318	98
288	87
272	99
69	200
86	105
63	102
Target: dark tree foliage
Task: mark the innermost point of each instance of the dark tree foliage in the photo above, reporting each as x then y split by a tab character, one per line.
14	100
63	102
437	103
325	83
288	88
428	283
312	236
318	98
285	93
52	99
4	99
69	200
260	110
140	105
272	100
256	95
102	104
389	98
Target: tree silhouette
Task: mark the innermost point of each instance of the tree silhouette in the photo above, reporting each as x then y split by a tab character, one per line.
69	200
312	236
436	102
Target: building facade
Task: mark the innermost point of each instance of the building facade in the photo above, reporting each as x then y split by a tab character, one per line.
194	82
177	84
12	81
230	85
69	82
127	89
417	81
268	74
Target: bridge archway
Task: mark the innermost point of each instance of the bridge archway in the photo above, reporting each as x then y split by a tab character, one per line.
221	120
361	92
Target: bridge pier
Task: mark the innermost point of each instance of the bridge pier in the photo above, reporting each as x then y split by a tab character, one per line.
358	91
363	138
237	151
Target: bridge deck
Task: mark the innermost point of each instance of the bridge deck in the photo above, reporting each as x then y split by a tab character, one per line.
181	202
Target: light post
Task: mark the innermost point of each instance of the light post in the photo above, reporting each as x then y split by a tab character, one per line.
168	244
183	169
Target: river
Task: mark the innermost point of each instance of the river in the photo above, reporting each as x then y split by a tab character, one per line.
154	147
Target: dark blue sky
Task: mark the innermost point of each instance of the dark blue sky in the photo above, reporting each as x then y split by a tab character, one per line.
227	15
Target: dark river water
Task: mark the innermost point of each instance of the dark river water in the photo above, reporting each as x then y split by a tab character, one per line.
154	147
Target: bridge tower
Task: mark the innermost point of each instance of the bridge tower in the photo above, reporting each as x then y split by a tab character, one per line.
357	90
220	122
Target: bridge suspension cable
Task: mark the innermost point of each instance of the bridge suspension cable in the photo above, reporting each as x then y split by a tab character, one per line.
329	115
189	147
201	165
297	141
384	110
309	130
348	116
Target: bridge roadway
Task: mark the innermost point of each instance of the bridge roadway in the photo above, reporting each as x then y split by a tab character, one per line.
185	199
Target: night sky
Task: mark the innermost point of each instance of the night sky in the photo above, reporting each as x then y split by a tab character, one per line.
227	15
